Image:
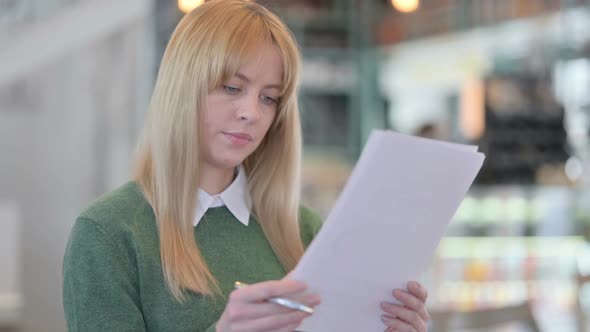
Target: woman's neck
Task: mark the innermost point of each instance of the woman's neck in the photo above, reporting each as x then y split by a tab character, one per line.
214	180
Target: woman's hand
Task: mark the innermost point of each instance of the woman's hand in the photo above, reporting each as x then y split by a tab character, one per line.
248	310
412	316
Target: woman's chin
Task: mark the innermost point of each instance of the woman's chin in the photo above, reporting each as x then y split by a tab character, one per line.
228	163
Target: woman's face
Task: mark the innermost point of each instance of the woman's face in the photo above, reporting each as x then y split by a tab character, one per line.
239	113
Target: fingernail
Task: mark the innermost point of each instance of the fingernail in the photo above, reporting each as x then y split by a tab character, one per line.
315	300
386	319
385	305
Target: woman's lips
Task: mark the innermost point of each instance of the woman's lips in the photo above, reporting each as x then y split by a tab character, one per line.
238	138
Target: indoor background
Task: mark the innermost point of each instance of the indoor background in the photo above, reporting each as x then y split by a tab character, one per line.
511	76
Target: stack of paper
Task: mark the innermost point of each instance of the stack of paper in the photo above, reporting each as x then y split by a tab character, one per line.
384	228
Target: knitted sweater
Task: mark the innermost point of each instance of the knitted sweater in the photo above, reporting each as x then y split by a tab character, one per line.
113	277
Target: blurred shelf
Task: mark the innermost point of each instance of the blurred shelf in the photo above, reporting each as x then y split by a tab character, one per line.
327	152
479	295
311	89
510	247
339	74
330	53
318	19
323	74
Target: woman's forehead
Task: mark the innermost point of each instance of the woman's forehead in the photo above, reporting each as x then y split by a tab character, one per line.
265	58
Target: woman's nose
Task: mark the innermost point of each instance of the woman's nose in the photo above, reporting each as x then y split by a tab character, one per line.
250	109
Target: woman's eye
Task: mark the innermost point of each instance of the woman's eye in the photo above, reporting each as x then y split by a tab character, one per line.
269	100
232	90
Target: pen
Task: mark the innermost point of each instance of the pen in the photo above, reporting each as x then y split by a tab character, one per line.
282	301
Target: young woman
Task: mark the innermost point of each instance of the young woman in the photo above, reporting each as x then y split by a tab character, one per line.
215	194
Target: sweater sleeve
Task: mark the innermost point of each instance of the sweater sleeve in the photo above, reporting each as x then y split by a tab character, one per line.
309	224
100	291
211	328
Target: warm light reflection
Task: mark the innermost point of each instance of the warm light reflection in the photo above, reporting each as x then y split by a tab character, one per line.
187	5
472	111
405	6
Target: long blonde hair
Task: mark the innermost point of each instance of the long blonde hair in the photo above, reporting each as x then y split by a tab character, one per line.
207	48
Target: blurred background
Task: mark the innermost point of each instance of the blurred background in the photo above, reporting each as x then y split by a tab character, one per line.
511	76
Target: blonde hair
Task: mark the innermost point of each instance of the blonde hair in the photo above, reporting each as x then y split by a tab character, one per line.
207	48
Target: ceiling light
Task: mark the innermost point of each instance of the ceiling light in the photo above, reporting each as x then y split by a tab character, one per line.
405	6
187	5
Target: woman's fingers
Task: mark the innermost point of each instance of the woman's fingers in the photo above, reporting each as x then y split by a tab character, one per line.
412	302
289	328
404	314
258	310
411	315
395	324
416	289
265	290
248	308
271	323
308	299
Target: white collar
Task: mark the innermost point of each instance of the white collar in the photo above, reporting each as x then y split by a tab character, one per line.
236	197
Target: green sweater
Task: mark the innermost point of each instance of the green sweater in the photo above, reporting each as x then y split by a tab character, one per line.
113	278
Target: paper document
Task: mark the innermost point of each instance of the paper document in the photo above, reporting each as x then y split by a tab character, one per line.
384	227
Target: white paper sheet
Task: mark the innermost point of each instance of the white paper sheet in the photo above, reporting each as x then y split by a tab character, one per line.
384	227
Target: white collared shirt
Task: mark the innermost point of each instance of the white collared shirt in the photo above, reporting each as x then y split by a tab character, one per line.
236	197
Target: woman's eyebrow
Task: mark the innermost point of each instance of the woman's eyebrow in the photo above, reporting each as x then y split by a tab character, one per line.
247	80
